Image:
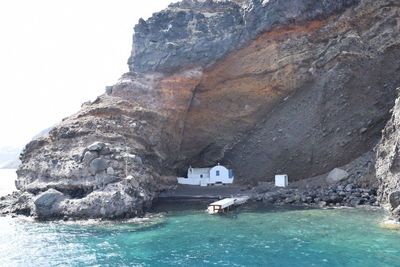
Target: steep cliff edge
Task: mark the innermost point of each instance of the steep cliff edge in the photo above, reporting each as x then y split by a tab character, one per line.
388	164
296	86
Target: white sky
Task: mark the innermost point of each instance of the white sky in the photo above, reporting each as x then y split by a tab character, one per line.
57	54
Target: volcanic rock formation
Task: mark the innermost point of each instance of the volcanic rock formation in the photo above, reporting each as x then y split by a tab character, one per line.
388	164
294	86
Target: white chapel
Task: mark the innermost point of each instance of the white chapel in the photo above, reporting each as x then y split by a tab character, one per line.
207	176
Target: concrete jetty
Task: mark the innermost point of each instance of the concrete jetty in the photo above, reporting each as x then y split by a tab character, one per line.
226	204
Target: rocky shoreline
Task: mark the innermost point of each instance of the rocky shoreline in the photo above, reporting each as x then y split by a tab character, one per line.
333	196
313	192
352	185
345	194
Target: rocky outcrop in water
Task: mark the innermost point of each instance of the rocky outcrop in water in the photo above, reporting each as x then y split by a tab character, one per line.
293	86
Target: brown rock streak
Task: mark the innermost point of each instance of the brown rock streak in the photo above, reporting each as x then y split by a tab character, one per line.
240	90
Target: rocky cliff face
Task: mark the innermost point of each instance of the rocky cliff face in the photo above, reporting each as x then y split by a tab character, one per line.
388	164
296	86
193	34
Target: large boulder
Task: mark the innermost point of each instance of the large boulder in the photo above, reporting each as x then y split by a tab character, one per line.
337	175
89	156
96	146
98	165
116	200
394	199
48	204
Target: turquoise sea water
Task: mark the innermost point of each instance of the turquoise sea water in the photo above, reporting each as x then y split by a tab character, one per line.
252	235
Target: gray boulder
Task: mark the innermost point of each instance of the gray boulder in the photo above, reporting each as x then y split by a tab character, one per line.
116	200
349	187
47	204
394	199
110	171
89	156
98	165
96	146
337	175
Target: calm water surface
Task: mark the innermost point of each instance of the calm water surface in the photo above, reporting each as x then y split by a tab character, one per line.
185	235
